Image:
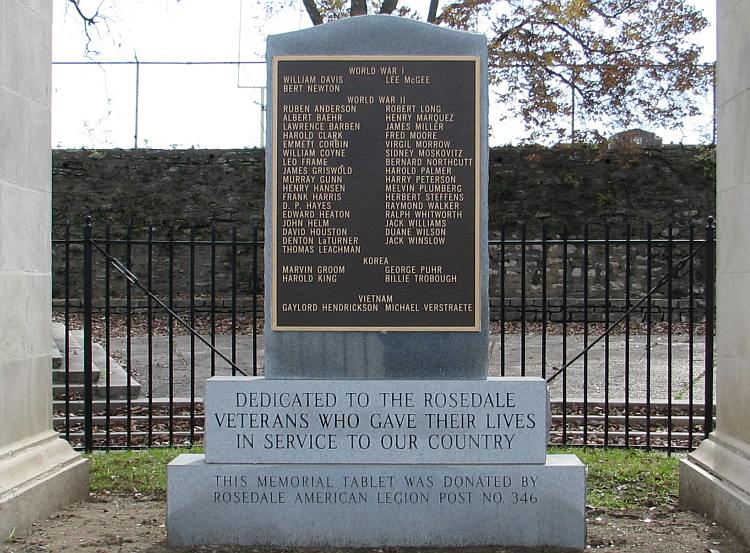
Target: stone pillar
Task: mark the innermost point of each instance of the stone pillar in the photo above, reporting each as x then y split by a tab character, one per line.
38	471
715	479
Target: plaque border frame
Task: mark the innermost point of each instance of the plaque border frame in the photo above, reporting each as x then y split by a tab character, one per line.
478	161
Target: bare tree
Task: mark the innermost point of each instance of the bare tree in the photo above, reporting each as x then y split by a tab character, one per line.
90	21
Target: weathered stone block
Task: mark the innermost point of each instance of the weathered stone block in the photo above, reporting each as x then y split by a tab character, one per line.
12	137
21	250
259	420
343	505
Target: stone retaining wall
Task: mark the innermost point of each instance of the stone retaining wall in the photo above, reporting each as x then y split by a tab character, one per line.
562	188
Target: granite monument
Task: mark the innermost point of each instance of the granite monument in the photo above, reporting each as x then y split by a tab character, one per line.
375	423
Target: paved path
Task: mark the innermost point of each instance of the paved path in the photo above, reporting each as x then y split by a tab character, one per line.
662	365
637	370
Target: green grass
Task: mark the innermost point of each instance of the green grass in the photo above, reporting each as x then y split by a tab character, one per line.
617	478
628	478
141	471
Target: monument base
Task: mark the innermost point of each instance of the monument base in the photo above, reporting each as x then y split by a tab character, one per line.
715	480
38	477
347	505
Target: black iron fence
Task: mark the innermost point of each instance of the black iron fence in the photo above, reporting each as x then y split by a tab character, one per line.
619	322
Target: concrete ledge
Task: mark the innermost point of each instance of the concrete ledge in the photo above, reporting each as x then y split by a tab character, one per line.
38	477
706	488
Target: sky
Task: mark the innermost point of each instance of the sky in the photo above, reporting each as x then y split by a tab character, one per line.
202	106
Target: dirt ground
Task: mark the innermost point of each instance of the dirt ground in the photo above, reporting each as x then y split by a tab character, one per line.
137	525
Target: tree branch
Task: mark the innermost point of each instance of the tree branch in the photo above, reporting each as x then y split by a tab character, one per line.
570	82
501	37
573	36
623	8
312	10
88	21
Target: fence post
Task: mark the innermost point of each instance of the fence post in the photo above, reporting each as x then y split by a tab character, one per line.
88	415
137	99
709	352
255	299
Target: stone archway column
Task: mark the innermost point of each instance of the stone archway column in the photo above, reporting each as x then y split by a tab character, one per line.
38	471
715	479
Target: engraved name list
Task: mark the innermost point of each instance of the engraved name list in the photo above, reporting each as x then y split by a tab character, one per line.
375	193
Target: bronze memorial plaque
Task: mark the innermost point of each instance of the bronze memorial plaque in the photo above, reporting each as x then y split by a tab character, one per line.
376	193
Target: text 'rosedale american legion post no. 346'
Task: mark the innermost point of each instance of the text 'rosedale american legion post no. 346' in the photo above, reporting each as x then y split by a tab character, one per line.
376	423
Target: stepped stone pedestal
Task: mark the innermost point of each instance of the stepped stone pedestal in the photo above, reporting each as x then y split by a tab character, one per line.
377	424
715	478
358	463
345	505
38	471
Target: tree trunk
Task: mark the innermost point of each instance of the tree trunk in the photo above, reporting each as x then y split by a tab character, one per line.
388	6
359	7
313	12
432	14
